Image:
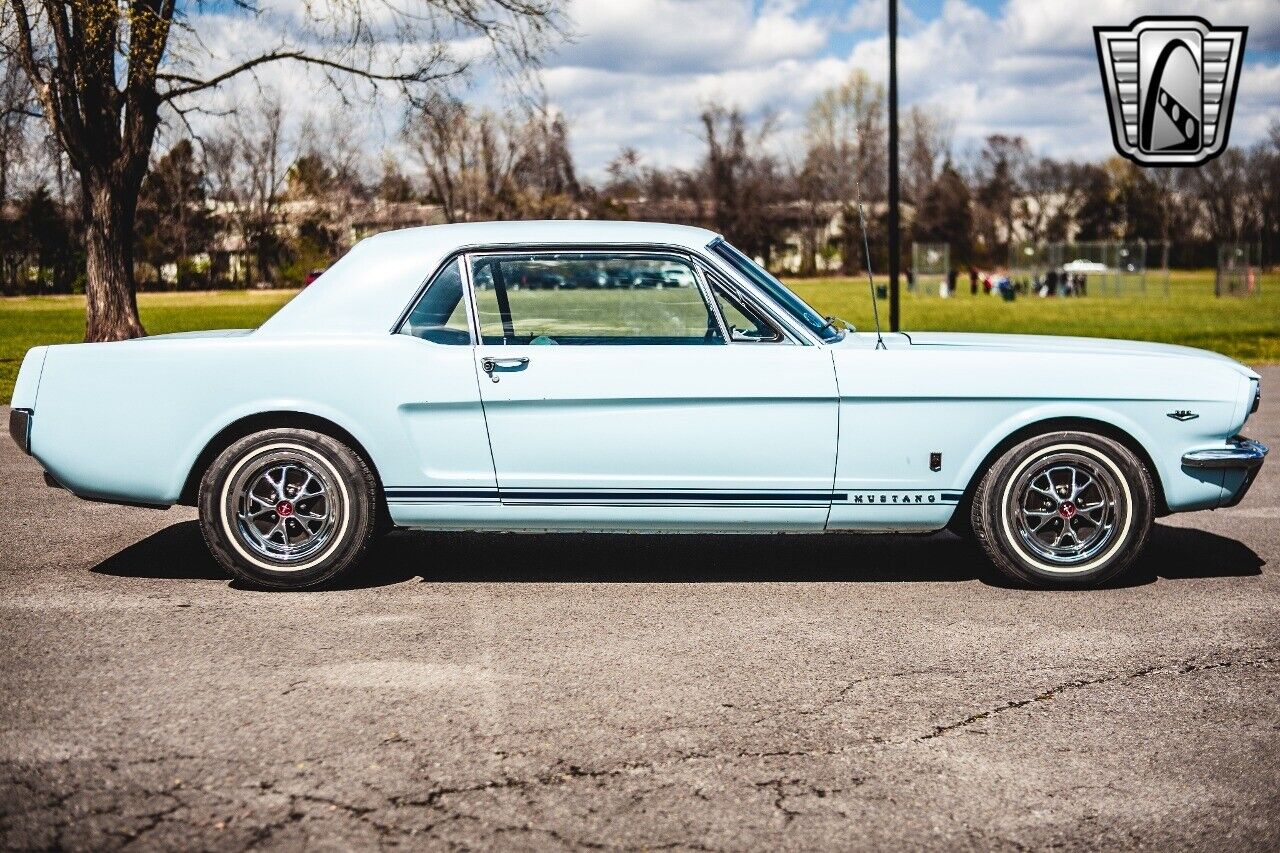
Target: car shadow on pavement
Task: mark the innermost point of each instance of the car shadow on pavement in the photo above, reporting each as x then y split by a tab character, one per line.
177	552
1184	553
1173	553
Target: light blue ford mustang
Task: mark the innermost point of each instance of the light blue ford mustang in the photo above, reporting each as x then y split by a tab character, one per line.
606	376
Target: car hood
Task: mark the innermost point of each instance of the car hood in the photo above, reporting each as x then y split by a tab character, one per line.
1054	343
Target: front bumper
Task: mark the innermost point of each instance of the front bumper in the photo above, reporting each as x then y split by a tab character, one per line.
1243	453
1241	462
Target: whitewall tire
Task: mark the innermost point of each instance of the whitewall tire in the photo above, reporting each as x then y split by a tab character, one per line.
288	508
1066	509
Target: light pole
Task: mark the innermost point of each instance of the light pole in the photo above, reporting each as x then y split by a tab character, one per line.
894	253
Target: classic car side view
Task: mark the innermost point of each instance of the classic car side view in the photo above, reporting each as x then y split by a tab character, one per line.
611	376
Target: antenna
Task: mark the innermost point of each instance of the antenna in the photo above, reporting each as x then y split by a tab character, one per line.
866	256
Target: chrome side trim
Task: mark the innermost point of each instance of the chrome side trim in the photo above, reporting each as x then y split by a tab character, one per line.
1243	453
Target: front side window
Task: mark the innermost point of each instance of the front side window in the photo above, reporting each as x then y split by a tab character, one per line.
440	315
788	301
570	298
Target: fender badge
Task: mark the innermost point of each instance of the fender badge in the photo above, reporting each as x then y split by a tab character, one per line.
1183	415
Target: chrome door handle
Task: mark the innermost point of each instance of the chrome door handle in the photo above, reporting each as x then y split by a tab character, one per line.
490	363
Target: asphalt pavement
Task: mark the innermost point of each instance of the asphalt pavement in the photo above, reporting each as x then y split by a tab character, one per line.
647	692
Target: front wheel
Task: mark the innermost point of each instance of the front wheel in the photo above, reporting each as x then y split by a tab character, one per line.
288	508
1067	509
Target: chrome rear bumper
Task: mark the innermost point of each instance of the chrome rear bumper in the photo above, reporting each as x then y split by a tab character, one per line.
1243	453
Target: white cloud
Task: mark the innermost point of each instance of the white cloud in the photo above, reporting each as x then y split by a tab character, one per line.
1062	25
1032	70
639	72
665	37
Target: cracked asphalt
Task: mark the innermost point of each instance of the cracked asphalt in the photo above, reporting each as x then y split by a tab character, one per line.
613	692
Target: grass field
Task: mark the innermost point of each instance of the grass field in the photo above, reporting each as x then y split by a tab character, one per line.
1246	329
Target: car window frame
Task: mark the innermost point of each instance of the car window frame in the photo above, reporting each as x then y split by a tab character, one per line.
704	260
798	327
650	252
752	302
399	327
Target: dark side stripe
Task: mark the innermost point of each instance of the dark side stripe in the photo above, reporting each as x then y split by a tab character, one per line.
700	496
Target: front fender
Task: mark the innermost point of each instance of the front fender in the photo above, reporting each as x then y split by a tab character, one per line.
901	407
1183	489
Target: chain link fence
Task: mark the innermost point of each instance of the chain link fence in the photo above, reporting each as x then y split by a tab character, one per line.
1236	275
930	264
1091	267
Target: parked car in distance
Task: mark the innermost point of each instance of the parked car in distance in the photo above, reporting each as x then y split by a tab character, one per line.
423	383
676	275
636	274
535	278
312	276
588	276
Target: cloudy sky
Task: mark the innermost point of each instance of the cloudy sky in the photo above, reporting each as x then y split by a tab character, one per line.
638	72
640	69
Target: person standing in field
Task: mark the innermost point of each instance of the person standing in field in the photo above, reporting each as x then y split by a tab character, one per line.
973	281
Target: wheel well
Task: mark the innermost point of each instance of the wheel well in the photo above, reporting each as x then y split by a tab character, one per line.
1057	425
237	430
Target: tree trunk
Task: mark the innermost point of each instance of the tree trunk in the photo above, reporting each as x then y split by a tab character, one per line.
110	300
808	250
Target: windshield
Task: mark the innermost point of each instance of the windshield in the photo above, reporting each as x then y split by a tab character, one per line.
794	305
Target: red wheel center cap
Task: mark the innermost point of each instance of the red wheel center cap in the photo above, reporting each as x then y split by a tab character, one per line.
284	509
1066	509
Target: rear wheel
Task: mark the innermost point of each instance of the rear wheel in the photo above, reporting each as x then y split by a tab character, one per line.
1067	509
288	508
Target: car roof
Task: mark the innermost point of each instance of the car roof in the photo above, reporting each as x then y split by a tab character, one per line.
550	231
370	286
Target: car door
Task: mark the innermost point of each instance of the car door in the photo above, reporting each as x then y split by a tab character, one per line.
446	465
615	399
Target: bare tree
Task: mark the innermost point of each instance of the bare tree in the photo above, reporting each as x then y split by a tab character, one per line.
544	169
1266	170
999	178
248	167
740	177
16	111
846	157
1040	198
631	179
927	135
102	70
468	156
1222	193
845	132
329	183
173	218
482	164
